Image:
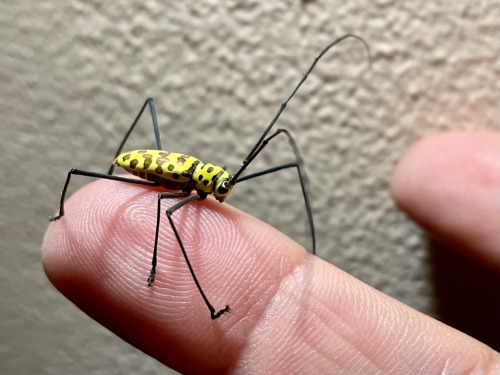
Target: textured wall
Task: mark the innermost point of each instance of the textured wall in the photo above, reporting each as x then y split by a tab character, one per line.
74	73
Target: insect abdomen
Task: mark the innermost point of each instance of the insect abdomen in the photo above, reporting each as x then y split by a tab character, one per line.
169	169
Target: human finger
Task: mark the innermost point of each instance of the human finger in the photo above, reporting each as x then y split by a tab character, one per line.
450	184
291	312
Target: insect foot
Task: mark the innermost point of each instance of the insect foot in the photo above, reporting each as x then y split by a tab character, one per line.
55	218
151	277
216	315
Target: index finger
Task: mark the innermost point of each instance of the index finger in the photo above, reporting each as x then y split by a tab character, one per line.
291	312
99	256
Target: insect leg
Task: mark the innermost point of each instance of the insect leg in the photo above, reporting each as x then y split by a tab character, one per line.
214	314
299	164
152	110
161	196
95	175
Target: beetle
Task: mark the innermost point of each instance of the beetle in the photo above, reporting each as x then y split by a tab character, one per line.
187	177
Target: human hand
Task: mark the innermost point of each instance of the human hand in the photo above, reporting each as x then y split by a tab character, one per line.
293	312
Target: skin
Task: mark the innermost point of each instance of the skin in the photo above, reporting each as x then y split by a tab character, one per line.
293	312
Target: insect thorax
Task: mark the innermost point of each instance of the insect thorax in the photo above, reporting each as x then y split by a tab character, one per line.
212	179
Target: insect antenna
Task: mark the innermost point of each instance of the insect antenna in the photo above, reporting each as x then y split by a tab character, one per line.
255	149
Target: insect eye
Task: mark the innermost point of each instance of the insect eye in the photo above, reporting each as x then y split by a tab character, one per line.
224	187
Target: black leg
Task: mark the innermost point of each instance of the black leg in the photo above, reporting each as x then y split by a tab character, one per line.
152	109
266	171
213	313
95	175
300	170
161	196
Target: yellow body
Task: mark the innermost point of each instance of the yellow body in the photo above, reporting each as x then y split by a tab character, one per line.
177	171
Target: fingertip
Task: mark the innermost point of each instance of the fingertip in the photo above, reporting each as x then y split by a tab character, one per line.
450	184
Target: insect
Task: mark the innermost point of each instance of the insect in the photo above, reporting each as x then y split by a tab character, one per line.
181	175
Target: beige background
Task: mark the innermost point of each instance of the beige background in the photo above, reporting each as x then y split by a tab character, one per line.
74	73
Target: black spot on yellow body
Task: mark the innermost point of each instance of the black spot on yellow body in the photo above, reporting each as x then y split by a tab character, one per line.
210	169
175	176
126	157
216	177
159	170
181	160
133	163
161	161
147	161
170	167
200	177
205	182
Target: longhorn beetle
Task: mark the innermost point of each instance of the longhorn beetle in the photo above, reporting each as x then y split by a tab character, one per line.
182	174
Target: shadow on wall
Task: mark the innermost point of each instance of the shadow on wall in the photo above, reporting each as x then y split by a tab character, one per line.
467	294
